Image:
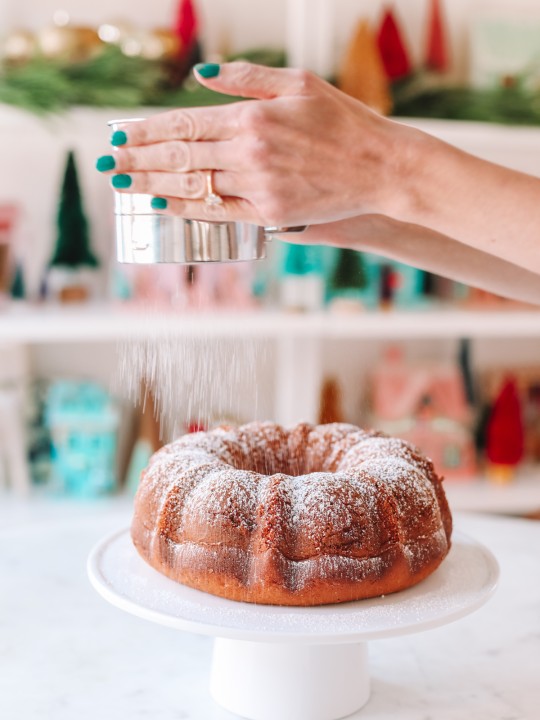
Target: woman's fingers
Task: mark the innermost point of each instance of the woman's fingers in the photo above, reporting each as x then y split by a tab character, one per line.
218	122
232	209
175	156
191	185
202	123
256	81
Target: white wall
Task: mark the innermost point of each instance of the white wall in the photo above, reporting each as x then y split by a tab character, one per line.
240	24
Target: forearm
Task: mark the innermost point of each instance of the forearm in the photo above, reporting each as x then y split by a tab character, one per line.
431	251
480	204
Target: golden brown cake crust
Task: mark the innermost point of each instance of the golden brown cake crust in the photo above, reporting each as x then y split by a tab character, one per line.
302	516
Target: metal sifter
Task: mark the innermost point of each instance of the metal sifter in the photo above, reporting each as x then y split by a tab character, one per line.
145	237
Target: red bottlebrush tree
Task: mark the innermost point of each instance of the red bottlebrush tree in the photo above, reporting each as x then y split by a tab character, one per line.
437	46
392	48
505	437
186	26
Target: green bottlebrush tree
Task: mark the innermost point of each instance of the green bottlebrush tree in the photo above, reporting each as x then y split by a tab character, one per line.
349	272
72	248
18	291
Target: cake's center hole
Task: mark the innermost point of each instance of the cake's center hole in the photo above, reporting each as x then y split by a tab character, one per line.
275	460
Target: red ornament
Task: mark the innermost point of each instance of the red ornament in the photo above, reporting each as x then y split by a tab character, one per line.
195	427
505	432
392	48
396	280
437	50
186	26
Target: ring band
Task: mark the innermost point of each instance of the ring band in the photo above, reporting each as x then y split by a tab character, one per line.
212	198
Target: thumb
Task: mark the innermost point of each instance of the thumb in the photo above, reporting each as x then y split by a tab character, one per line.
244	79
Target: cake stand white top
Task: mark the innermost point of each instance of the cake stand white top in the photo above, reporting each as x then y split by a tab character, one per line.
464	581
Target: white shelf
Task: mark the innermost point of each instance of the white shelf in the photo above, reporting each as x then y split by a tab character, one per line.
107	323
520	497
514	146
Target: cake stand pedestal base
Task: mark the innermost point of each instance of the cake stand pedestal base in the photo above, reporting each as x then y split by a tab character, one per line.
265	681
293	663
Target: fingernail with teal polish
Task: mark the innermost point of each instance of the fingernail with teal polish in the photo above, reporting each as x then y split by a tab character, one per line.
121	182
105	163
119	137
208	70
158	203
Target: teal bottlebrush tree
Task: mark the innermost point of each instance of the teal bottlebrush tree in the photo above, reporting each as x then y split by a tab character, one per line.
18	290
72	252
301	277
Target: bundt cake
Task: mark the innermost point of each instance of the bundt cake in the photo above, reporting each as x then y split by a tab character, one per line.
302	516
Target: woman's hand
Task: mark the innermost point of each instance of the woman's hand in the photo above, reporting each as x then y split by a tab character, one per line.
303	153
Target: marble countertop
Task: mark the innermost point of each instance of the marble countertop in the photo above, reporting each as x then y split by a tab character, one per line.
65	653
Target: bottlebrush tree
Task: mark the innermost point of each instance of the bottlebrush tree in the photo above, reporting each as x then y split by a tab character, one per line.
72	248
437	56
349	272
392	48
505	436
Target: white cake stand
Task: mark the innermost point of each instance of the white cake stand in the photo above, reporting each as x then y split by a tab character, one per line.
281	663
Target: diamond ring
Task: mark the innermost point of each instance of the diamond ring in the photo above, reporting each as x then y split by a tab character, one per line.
212	198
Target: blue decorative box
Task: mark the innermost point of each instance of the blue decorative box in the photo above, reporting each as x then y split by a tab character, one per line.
83	420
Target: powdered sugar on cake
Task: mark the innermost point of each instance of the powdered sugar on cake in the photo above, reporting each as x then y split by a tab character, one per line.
295	506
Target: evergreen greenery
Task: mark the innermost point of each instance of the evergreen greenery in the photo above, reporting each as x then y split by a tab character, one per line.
72	243
111	79
514	104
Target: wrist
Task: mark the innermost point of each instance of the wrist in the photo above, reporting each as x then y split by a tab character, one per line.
367	232
406	192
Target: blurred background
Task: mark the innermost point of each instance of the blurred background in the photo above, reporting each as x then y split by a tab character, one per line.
102	363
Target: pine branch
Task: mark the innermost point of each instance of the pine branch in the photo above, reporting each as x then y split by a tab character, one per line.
515	105
110	79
